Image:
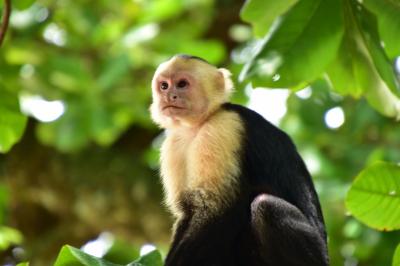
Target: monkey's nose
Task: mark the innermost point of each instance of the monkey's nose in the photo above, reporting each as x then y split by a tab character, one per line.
173	97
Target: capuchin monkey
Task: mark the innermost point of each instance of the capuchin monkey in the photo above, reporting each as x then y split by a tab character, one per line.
240	192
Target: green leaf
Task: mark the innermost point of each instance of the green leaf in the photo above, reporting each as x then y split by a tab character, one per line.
262	13
114	70
23	4
160	10
69	73
211	50
12	122
71	131
368	26
102	127
4	201
361	67
396	258
152	258
18	54
300	46
374	197
70	256
387	12
353	72
383	100
8	237
122	252
23	264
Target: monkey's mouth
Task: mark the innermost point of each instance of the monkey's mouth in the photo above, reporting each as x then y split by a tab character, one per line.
172	107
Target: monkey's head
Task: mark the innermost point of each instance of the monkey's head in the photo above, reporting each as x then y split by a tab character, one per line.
187	90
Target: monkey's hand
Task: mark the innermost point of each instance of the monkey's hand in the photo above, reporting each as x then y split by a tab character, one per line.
284	234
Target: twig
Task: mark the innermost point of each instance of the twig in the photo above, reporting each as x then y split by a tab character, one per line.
6	18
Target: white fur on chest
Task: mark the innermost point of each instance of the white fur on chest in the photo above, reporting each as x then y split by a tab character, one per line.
206	159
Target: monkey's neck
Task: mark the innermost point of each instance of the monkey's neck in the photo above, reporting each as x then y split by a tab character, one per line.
203	159
193	125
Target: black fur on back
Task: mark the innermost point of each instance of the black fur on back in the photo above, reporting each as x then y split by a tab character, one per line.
272	165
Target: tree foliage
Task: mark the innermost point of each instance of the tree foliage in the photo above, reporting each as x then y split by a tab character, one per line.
73	256
91	165
341	39
348	44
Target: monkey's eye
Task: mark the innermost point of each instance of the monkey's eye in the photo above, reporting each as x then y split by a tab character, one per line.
182	84
164	85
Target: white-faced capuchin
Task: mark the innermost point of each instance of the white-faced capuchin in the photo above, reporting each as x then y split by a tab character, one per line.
240	192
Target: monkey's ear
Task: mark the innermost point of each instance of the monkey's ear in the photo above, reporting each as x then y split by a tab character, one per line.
228	84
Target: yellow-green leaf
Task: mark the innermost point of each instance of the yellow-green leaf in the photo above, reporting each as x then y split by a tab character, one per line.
262	13
12	122
374	197
396	258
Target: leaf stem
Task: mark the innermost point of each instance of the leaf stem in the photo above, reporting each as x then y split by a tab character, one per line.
5	20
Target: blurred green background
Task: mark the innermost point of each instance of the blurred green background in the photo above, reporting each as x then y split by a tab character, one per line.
86	165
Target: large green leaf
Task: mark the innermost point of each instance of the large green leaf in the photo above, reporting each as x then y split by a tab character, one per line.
368	27
361	67
396	258
262	13
352	71
374	197
387	12
12	122
299	48
70	256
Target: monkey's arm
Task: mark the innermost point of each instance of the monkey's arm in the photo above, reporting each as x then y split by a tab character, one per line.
201	240
284	234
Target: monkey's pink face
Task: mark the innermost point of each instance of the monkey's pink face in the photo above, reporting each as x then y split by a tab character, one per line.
179	96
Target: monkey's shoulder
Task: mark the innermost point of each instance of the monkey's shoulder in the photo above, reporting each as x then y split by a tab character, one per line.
251	118
258	130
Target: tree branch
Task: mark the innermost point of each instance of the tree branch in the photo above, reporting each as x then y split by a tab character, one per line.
6	18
